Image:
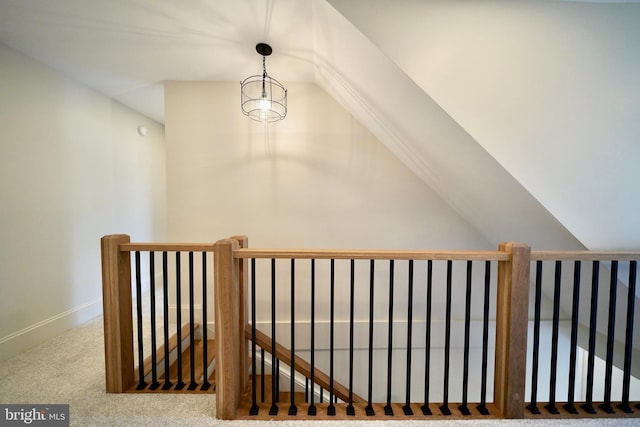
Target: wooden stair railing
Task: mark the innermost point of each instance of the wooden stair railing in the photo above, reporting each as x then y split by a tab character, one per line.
231	260
303	367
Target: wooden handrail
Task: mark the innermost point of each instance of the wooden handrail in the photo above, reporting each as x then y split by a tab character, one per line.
371	254
303	367
584	256
169	247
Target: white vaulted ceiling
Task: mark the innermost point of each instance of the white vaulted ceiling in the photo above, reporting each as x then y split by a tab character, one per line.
524	116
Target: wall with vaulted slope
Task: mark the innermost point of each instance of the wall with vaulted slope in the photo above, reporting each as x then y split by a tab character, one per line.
549	89
417	130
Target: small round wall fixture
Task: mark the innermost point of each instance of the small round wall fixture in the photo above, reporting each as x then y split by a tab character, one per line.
263	98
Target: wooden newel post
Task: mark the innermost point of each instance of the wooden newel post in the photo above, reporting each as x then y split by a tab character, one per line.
118	324
229	336
243	302
511	330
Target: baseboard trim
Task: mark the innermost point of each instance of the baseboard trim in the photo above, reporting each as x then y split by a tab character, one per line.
26	338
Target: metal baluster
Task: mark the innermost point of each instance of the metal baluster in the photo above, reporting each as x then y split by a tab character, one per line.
427	346
165	310
152	297
482	407
464	409
179	384
369	408
261	375
407	406
532	406
293	410
444	408
254	375
331	409
192	346
388	410
628	342
312	406
141	382
613	286
350	409
278	382
274	372
570	407
595	276
205	352
551	406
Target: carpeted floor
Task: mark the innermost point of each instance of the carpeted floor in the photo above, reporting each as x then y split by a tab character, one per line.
70	369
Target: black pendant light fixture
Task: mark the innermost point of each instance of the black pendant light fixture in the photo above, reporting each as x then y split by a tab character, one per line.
263	98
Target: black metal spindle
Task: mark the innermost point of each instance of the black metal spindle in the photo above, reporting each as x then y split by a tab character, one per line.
262	375
180	383
141	382
611	330
427	341
278	382
569	406
350	408
407	405
331	409
306	390
192	321
312	407
205	352
165	311
593	317
532	406
444	408
293	410
254	375
152	300
464	409
369	408
551	406
388	410
628	342
275	373
482	407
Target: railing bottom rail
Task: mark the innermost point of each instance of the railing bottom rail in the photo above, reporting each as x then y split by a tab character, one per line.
561	410
361	413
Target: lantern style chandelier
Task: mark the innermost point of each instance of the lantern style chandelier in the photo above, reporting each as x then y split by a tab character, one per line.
263	98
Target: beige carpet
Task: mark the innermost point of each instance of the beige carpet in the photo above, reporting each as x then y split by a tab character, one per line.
70	369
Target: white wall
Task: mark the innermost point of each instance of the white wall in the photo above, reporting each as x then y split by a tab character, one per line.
73	168
548	88
425	136
316	179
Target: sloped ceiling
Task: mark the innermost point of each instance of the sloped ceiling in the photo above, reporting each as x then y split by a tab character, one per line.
549	89
464	92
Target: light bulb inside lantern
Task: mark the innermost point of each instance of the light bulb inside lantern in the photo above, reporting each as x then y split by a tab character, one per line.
265	103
